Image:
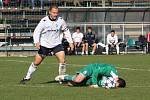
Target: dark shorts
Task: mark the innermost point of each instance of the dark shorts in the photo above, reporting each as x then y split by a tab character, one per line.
110	46
90	43
50	51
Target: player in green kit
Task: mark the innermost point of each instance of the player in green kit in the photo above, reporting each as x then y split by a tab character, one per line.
92	74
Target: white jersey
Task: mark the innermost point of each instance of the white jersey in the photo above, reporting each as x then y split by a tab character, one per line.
112	39
77	37
48	33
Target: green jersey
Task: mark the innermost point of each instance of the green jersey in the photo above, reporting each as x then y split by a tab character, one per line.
100	82
96	71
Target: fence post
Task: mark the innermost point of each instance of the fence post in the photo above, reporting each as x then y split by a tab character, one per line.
142	29
104	30
6	33
123	30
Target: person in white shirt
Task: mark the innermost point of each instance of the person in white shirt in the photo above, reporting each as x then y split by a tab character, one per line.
47	38
77	39
112	42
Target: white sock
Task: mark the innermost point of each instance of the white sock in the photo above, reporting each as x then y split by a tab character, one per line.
82	53
76	52
92	52
86	52
62	69
31	69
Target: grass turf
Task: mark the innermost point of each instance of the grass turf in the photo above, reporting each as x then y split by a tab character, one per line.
135	69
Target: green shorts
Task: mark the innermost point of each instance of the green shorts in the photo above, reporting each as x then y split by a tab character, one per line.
86	71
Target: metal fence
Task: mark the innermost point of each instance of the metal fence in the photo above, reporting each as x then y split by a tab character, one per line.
123	30
23	41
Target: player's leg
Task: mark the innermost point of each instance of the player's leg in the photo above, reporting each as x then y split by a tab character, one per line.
83	49
107	48
83	73
73	78
61	59
86	48
111	48
117	48
75	47
65	77
60	55
38	59
94	48
34	65
32	68
77	79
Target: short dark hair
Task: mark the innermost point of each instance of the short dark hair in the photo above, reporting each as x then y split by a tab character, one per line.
53	6
78	28
89	27
113	31
122	83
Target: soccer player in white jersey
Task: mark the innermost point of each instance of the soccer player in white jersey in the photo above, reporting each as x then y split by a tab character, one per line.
46	37
112	42
77	39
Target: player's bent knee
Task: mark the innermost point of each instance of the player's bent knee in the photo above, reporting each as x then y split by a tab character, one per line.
61	56
83	45
62	61
37	63
38	60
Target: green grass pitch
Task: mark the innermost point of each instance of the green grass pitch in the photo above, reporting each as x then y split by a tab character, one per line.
135	69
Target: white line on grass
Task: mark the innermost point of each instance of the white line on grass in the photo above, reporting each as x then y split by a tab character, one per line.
80	65
71	64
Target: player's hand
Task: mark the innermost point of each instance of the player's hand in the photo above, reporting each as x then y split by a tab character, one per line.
94	86
71	46
37	45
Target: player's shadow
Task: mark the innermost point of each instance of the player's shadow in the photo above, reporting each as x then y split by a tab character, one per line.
49	82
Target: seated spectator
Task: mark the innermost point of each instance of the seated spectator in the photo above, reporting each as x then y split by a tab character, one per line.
121	44
67	47
142	41
112	42
65	43
77	39
89	41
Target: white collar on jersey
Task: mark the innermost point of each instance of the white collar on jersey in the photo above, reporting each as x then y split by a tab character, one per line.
52	19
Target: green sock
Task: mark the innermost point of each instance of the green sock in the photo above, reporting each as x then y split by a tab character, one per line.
69	77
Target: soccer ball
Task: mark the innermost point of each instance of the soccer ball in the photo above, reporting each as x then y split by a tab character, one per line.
110	83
